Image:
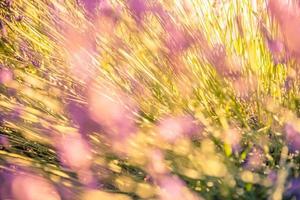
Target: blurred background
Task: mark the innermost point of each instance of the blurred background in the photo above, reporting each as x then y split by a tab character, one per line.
149	99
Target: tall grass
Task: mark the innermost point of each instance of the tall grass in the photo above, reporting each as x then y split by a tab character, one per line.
146	100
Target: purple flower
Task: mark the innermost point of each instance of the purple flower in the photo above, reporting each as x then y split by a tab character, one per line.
138	9
5	180
292	137
90	5
36	63
272	176
160	12
109	12
4	142
19	18
255	159
275	46
177	40
80	115
293	189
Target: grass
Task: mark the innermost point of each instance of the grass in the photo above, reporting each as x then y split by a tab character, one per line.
227	80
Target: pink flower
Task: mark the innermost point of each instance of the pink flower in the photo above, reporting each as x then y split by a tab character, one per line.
287	13
31	187
275	46
80	53
255	159
90	5
81	64
292	136
173	128
4	142
177	40
159	10
74	152
5	75
113	110
138	9
157	165
172	188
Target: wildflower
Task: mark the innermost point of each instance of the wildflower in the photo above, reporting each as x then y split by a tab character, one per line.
36	63
217	57
91	5
138	9
174	128
4	142
156	166
97	194
81	64
293	189
109	12
78	156
172	188
113	110
272	177
255	159
31	187
80	116
287	14
5	179
292	136
19	18
177	40
159	11
6	75
275	46
107	20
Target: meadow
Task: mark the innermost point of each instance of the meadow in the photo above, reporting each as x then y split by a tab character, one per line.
157	99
